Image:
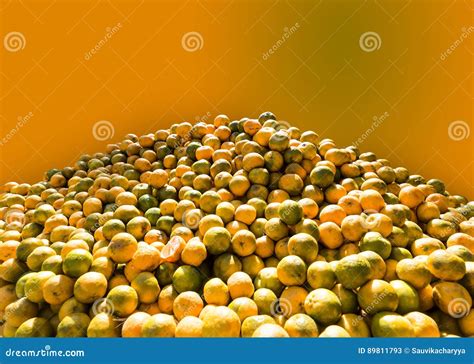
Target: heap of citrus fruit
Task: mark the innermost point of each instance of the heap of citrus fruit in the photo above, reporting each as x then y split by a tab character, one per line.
247	228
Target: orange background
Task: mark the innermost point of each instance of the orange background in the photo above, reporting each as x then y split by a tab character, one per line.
319	78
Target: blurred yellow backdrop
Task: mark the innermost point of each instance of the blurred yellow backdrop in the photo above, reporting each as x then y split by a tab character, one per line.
393	77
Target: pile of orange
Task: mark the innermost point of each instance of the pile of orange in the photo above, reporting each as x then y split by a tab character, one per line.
247	228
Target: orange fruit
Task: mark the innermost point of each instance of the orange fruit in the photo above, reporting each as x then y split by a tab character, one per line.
270	330
244	243
323	305
103	325
301	325
221	321
73	325
411	196
291	271
350	205
331	235
371	201
332	213
159	325
304	246
353	227
147	287
89	287
423	325
132	327
461	239
123	300
187	304
244	307
122	247
427	211
189	326
240	285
